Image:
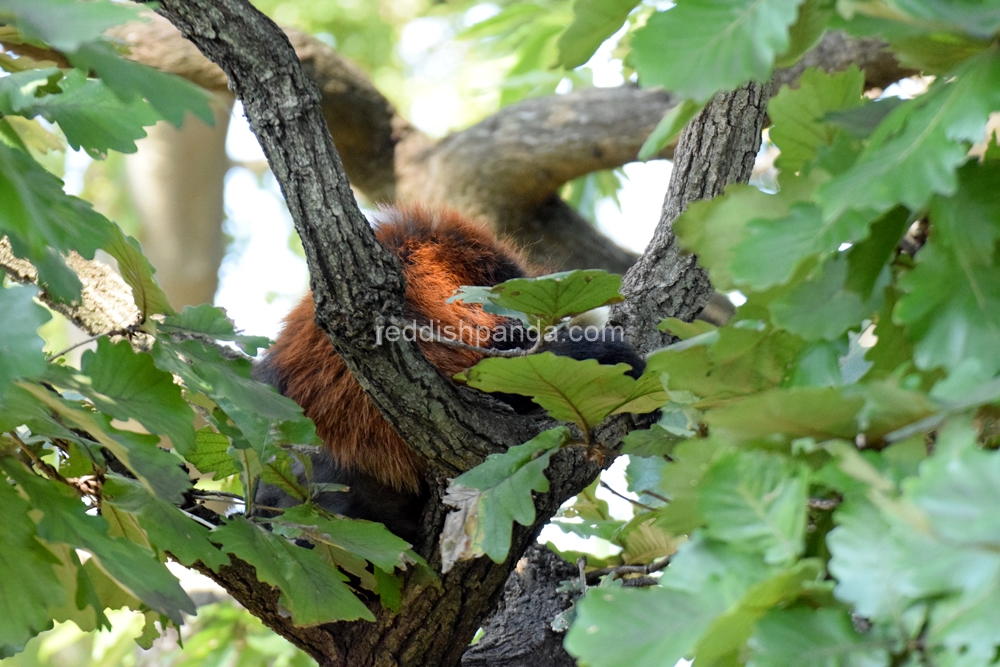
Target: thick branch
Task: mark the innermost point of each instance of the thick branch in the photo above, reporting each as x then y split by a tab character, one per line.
525	152
357	285
105	302
836	52
507	167
557	237
520	633
717	148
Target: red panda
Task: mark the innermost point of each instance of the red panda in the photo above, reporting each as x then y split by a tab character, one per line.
439	251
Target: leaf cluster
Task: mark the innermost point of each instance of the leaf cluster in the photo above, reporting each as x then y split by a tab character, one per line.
823	466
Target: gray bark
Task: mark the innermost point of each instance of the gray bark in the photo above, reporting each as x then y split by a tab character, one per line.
519	633
717	148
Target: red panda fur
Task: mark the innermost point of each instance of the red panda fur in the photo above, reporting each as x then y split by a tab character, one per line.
439	252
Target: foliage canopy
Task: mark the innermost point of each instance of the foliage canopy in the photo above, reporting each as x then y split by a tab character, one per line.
823	474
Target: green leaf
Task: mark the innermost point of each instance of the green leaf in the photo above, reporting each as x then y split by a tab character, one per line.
730	361
21	347
797	412
814	638
775	248
207	320
40	219
952	307
668	128
170	95
89	592
29	585
821	307
29	135
507	21
862	121
92	117
680	481
807	30
128	385
210	454
756	501
630	627
731	630
798	113
547	300
369	540
263	415
657	626
493	495
138	273
968	623
656	441
10	137
582	392
891	351
934	547
65	519
716	230
20	90
958	488
644	541
685	330
979	19
701	46
66	24
158	470
588	516
168	529
278	472
311	590
593	22
917	148
879	567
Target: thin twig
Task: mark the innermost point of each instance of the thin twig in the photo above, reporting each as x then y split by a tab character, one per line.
620	570
605	485
207	493
581	565
42	465
91	339
654	494
640	582
195	517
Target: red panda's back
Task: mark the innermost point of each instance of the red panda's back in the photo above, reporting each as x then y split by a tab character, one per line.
439	252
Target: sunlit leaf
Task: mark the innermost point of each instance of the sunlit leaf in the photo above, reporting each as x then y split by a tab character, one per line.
311	590
699	47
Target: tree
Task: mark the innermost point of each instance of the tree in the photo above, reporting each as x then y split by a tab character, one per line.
817	495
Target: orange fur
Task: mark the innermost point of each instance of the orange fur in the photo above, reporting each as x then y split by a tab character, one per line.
439	252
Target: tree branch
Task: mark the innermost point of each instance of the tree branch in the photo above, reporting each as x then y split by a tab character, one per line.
523	153
105	305
717	148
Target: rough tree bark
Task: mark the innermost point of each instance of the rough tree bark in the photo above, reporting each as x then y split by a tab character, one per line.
716	148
